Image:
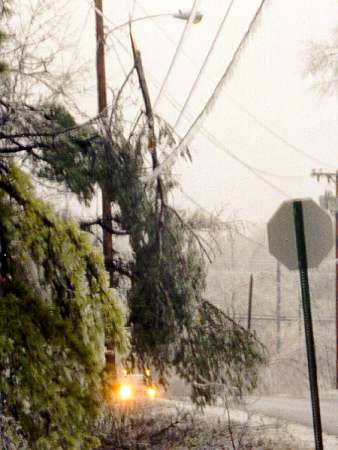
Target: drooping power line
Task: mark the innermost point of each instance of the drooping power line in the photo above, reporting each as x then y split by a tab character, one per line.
213	140
204	65
245	110
209	136
184	35
196	125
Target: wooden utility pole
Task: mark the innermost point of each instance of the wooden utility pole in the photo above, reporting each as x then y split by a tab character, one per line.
250	302
333	177
102	109
278	307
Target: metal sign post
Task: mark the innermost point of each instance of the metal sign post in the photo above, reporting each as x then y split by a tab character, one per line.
310	344
300	236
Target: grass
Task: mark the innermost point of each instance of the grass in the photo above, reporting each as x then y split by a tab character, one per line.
160	426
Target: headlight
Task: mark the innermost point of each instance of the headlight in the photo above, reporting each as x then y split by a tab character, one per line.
151	392
125	392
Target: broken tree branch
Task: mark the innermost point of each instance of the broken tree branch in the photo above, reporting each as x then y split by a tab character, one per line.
160	195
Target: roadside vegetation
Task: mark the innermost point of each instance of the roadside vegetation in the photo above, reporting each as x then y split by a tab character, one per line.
62	305
162	427
59	310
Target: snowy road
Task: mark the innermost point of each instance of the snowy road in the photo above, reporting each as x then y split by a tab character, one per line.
297	411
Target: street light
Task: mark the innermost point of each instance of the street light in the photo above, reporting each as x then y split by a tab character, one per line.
182	15
185	15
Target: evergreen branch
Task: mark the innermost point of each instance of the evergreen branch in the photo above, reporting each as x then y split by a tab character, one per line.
52	134
100	222
121	268
225	316
192	232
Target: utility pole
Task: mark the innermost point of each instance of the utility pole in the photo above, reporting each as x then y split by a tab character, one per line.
333	177
250	302
102	109
278	307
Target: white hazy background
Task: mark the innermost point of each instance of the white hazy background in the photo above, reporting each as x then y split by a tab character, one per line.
267	91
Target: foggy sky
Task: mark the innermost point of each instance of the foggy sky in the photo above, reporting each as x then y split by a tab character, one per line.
268	82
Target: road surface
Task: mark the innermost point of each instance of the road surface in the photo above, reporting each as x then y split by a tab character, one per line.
297	411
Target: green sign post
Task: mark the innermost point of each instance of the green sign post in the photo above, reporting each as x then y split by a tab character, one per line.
300	236
310	344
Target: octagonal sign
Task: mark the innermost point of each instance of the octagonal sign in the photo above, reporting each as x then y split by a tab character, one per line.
282	234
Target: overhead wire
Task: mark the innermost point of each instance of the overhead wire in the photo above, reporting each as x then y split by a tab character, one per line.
278	136
212	139
196	125
211	215
281	176
74	55
246	111
204	65
179	46
250	168
241	107
209	136
206	211
112	45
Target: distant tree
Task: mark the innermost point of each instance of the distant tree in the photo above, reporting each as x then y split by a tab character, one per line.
4	11
321	61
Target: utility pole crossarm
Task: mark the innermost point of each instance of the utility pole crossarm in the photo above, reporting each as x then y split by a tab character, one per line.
330	176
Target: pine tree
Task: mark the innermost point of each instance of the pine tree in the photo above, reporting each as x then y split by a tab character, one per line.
56	312
172	326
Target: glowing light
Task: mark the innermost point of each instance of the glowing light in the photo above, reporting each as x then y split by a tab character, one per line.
125	392
147	372
151	392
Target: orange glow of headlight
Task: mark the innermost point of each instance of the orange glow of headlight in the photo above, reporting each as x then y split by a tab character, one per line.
151	392
125	392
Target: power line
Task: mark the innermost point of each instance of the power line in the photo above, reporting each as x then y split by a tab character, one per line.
177	52
277	175
204	65
206	133
212	139
246	111
277	135
212	99
258	121
211	215
282	318
257	171
202	208
74	55
250	168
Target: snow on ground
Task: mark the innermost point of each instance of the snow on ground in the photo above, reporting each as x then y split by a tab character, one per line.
301	435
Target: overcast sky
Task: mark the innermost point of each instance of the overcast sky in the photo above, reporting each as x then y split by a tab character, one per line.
267	91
